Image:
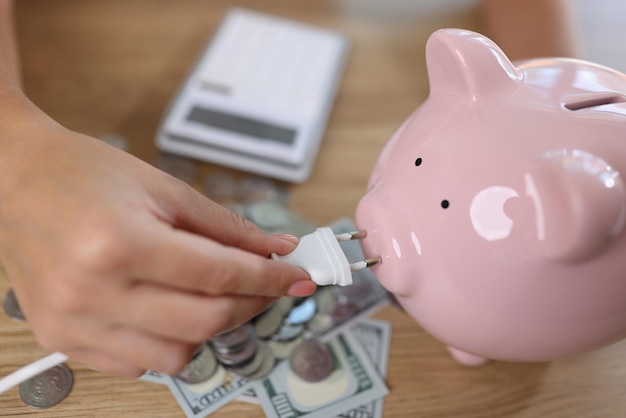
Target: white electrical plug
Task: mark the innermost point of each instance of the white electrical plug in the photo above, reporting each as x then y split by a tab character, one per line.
321	256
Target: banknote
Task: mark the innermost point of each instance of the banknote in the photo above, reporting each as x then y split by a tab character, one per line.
200	400
375	337
155	377
354	381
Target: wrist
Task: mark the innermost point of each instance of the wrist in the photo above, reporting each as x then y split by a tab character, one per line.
23	129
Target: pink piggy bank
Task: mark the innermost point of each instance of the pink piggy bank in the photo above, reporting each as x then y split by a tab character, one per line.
498	207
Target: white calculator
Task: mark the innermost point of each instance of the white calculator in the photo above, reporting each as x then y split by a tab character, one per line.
259	97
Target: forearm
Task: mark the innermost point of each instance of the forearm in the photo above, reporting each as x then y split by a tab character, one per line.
531	28
9	59
19	117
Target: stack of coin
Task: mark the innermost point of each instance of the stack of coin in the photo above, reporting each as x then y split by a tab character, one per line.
283	324
241	353
200	368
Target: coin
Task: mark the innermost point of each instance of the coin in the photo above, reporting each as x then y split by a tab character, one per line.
240	357
269	216
179	167
285	303
200	368
12	307
235	207
302	313
220	186
232	340
47	388
343	312
288	332
312	361
320	322
256	189
267	363
326	300
250	367
269	322
283	349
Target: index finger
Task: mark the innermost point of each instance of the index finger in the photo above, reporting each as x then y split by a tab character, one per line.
191	262
193	212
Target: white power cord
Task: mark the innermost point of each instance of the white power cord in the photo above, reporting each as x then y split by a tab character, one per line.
33	369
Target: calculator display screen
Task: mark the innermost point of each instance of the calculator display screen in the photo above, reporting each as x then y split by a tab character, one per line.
242	125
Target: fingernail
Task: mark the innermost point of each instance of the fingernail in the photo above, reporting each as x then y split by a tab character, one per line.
302	288
288	237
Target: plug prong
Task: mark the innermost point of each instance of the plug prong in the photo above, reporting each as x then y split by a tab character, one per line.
351	235
367	263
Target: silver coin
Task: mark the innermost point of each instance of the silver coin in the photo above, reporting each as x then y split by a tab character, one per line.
47	388
252	366
319	323
302	313
269	216
12	307
232	340
326	300
344	311
268	360
269	322
256	189
298	226
238	358
288	332
179	167
283	349
235	207
285	303
200	368
312	361
220	186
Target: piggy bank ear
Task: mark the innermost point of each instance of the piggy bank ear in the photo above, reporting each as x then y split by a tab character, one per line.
580	204
467	65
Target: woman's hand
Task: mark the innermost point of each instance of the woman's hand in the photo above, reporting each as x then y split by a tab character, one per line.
117	264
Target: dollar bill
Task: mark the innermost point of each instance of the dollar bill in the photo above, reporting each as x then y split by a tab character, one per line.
200	400
353	382
155	377
375	337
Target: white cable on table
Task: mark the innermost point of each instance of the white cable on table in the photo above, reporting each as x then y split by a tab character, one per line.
31	370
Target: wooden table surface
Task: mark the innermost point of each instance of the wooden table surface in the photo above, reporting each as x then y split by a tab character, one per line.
110	66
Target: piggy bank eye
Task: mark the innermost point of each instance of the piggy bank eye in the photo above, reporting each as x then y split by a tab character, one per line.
418	162
445	204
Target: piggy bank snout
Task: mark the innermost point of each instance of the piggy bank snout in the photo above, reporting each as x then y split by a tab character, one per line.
580	204
388	236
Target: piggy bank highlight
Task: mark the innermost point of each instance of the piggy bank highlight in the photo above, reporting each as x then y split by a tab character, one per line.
498	207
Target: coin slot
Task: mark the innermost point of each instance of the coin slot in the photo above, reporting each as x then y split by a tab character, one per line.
588	102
